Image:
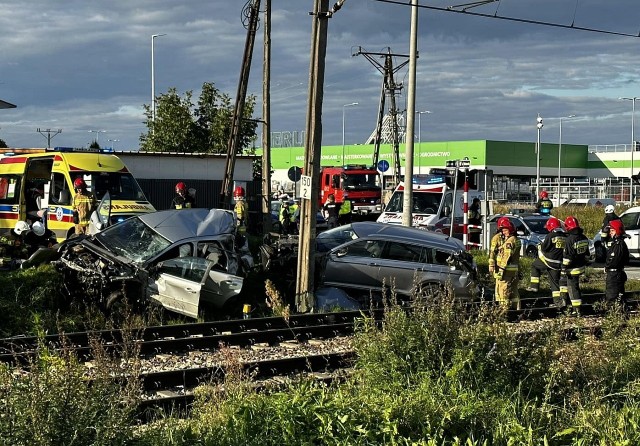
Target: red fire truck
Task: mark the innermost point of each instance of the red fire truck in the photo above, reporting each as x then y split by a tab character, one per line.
357	183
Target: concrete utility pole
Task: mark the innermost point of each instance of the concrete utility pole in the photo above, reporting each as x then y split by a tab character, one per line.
48	135
241	95
407	204
305	300
266	119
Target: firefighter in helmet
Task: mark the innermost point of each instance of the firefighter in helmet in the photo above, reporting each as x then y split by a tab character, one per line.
574	260
550	260
83	203
507	261
183	199
544	205
241	209
617	258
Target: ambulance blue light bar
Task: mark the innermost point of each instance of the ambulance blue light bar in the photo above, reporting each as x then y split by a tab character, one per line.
80	150
428	179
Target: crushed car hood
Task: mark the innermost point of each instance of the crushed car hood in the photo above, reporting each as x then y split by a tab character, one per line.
176	225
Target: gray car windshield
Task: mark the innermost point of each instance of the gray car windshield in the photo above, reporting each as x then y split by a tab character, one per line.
133	240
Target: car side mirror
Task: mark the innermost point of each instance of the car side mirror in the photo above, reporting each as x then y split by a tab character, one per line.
447	211
341	252
520	232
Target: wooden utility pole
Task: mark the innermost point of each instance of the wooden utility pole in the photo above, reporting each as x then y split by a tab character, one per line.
236	119
266	121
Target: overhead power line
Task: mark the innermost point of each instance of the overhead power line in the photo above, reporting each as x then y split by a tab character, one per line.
511	19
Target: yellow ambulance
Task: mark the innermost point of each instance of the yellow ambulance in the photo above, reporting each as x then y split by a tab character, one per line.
39	186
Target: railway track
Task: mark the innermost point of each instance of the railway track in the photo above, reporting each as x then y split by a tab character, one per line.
265	348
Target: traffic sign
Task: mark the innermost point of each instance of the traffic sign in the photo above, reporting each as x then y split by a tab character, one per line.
383	165
436	171
305	187
294	173
464	163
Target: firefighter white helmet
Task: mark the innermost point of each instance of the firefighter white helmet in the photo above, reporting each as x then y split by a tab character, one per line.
38	228
609	209
21	226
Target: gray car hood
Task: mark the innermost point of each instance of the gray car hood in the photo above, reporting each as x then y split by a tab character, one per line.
181	224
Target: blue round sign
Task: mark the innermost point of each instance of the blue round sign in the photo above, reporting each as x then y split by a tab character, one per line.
383	165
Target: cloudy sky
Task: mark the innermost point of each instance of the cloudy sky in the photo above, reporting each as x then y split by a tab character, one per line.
85	65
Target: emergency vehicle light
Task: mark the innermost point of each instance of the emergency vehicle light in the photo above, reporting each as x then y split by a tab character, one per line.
79	149
428	179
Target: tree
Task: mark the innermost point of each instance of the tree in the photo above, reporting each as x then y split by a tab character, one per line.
180	126
3	145
94	145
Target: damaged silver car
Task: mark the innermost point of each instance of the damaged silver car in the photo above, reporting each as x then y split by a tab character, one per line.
178	258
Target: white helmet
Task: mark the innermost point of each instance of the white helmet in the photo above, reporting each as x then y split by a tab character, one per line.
609	209
21	226
38	228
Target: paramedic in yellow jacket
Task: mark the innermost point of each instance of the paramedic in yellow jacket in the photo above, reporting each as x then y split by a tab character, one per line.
507	262
241	209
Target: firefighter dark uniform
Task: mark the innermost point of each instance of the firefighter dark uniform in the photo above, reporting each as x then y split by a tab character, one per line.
285	218
507	262
574	259
544	205
617	258
549	259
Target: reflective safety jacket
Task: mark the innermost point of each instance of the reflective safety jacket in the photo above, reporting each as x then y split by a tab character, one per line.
493	248
552	248
345	207
544	206
576	251
508	256
292	212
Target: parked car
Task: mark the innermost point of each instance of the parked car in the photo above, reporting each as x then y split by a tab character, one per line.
631	220
179	258
363	257
531	230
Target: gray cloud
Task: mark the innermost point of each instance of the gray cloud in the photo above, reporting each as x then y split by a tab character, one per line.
85	65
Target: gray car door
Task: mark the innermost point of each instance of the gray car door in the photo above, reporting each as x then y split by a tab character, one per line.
400	265
354	265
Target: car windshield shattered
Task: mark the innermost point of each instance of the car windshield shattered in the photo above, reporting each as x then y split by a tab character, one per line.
133	240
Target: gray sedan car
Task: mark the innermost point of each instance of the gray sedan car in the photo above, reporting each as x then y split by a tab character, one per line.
365	257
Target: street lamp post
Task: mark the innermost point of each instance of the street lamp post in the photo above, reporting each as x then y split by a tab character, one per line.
113	143
539	125
420	113
560	153
97	132
153	78
343	108
633	143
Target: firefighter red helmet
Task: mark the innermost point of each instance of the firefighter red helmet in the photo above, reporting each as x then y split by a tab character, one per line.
618	226
181	187
504	222
571	223
552	223
544	194
79	183
238	192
